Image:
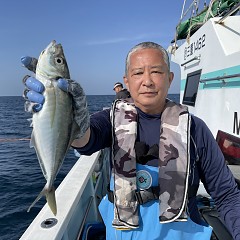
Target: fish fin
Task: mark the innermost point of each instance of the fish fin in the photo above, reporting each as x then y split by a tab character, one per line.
30	120
32	141
51	200
42	193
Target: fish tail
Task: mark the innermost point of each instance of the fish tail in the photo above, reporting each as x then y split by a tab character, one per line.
42	193
51	200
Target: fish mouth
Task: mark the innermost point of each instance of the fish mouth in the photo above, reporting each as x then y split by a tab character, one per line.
53	47
54	44
51	44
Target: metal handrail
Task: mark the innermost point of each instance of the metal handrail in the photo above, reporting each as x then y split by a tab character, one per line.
85	217
237	7
192	59
219	78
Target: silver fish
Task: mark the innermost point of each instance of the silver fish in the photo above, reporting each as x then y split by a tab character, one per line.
53	126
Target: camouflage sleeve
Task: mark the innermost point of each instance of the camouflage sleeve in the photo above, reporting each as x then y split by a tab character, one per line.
81	114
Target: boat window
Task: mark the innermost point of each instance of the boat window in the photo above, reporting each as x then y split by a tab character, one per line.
191	88
230	146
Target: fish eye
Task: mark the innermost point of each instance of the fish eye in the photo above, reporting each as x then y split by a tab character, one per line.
59	60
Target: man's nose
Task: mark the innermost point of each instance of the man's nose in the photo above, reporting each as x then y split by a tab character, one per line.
147	80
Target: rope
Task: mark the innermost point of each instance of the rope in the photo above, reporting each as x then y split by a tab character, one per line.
209	11
190	24
182	14
14	139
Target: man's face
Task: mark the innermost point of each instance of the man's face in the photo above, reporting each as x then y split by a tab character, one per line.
117	89
148	80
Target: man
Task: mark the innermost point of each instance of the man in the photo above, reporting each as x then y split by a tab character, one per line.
160	153
120	91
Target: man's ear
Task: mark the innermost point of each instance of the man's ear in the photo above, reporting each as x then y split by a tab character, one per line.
125	79
171	76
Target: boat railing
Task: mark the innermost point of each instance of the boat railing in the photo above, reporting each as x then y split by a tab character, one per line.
232	11
77	199
192	8
196	58
220	78
191	19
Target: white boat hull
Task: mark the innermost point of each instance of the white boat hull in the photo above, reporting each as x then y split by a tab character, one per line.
215	50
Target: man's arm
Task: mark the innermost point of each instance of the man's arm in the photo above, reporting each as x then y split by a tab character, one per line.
79	143
217	178
98	136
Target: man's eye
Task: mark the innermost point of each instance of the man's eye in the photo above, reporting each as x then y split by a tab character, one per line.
158	72
138	73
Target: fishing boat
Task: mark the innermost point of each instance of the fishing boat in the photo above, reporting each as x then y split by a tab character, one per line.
206	46
207	49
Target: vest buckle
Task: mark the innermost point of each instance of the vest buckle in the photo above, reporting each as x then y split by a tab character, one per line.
146	195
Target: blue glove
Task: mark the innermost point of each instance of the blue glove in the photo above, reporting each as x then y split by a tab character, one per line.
33	94
35	100
35	87
81	114
30	63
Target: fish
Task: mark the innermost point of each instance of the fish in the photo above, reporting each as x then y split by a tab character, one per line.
53	126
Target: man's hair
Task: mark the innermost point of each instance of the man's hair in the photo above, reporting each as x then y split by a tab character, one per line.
147	45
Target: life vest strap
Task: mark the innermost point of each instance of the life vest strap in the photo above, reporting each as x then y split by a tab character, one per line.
145	195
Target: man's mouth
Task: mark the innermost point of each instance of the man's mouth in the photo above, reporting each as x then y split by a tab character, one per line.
149	93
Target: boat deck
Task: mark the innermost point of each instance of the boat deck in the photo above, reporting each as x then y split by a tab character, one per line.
78	197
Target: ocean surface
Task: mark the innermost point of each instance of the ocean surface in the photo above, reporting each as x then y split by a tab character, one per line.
21	179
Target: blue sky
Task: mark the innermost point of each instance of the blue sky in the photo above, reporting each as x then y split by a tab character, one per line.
96	36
